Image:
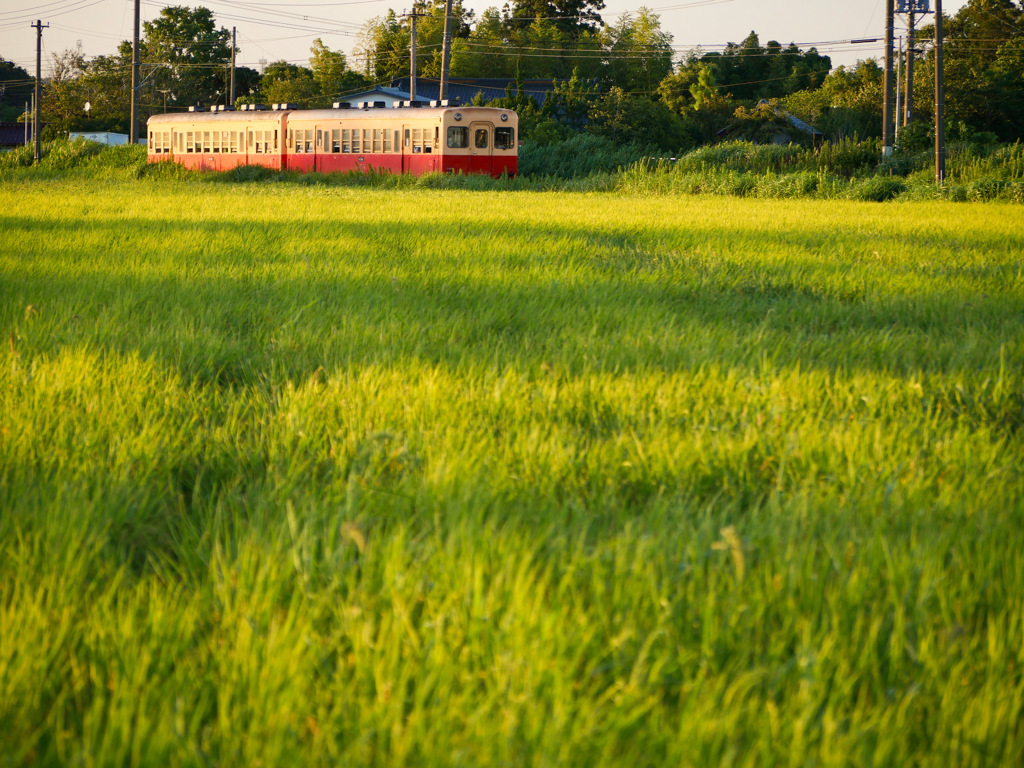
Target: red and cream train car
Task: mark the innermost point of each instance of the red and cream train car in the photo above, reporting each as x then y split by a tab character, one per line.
412	140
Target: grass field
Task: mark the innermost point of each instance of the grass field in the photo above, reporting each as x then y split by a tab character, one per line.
300	475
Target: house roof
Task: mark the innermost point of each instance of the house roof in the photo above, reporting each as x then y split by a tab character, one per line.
12	134
394	93
465	89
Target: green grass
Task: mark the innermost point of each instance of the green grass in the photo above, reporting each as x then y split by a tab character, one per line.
317	475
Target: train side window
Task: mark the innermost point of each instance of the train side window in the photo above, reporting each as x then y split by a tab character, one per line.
377	140
406	138
319	139
206	142
198	143
309	141
346	140
398	143
504	138
367	146
188	142
335	141
387	140
458	136
355	141
480	138
417	139
215	144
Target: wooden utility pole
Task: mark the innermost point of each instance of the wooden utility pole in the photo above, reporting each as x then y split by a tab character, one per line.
39	27
446	50
887	111
133	131
233	43
940	110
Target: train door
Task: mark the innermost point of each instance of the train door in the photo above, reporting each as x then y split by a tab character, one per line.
480	140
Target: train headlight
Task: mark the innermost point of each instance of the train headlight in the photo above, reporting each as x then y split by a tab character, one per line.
504	118
458	115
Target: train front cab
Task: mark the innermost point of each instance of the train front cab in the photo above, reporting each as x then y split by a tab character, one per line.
479	141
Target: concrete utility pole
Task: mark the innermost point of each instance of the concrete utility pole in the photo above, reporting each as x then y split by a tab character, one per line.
412	56
908	90
133	131
940	109
28	117
887	111
233	44
39	27
446	50
899	83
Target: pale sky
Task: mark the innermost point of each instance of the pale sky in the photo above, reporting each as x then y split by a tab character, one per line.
285	29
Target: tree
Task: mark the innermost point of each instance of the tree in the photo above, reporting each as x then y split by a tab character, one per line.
64	97
626	118
983	68
16	87
184	53
331	74
639	52
573	18
384	44
286	83
848	103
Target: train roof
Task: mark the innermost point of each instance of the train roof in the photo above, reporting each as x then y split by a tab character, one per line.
391	112
270	115
227	117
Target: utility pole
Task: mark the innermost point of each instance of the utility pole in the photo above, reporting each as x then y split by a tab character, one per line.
412	55
940	110
446	50
887	122
233	43
133	131
899	81
908	91
39	27
28	117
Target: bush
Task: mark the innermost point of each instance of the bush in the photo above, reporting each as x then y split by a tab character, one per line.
581	155
878	189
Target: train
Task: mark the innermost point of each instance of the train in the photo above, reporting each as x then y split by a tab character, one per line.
434	137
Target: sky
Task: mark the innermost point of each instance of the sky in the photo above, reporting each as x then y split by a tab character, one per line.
272	31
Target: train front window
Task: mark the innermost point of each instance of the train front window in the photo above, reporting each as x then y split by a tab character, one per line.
504	138
458	136
480	138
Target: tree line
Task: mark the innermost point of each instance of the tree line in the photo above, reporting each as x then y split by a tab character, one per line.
623	80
